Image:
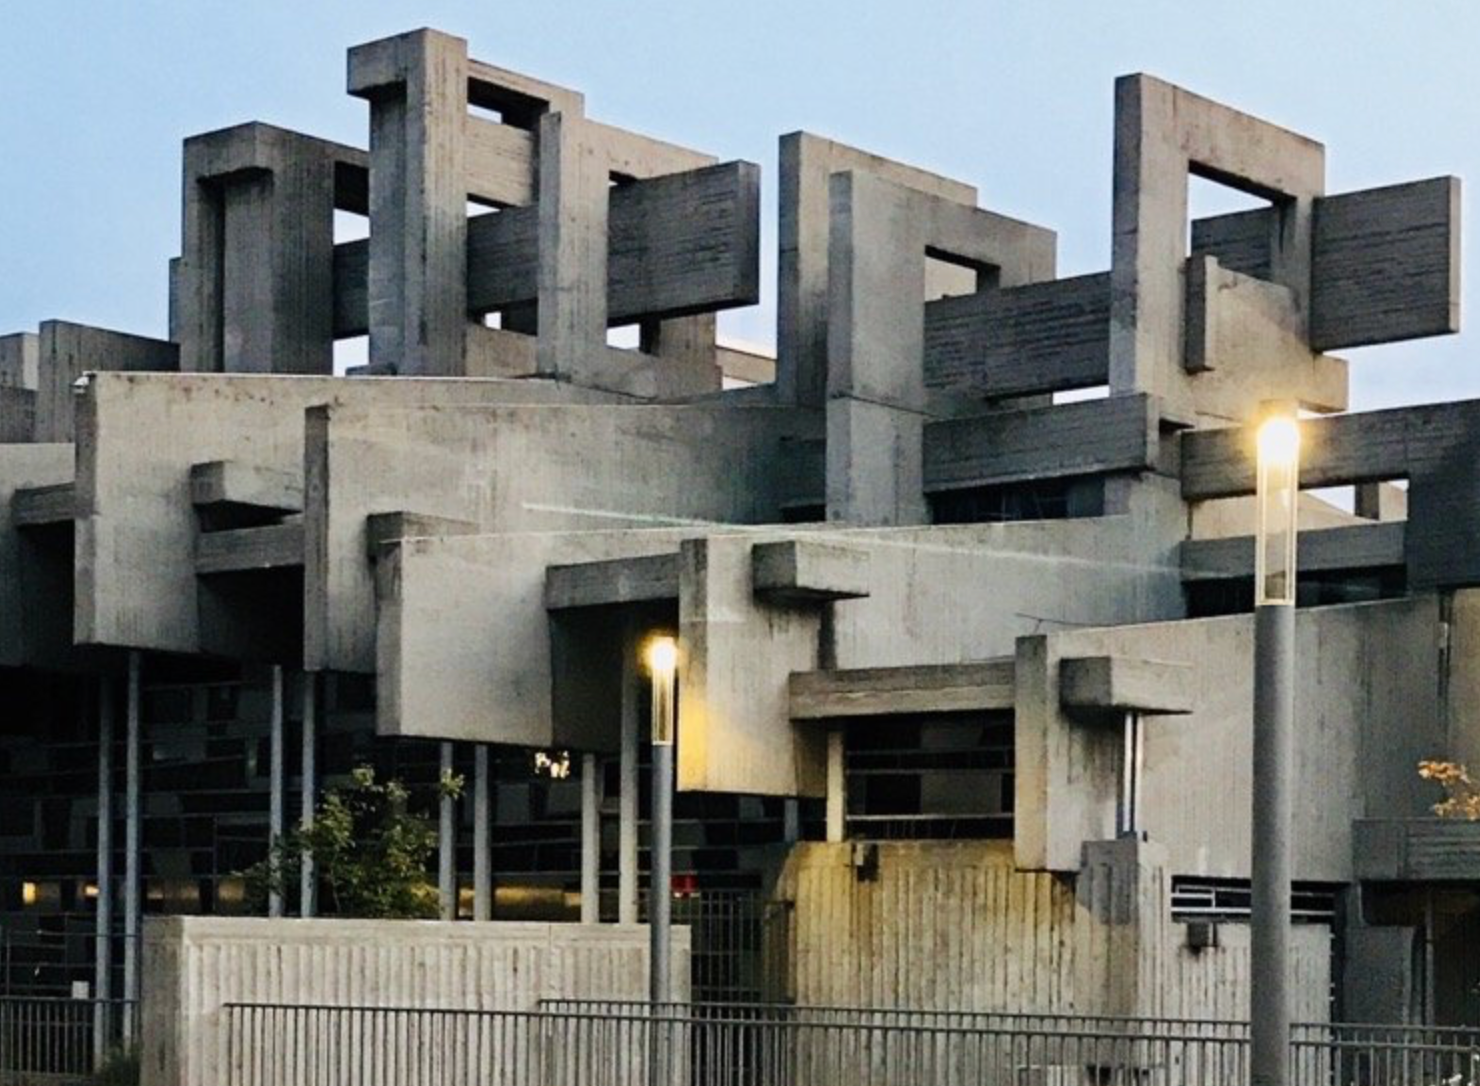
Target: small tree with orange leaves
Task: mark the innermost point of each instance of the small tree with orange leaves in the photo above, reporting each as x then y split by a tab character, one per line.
1461	794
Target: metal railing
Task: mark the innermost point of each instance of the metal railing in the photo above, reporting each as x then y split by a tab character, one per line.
58	1040
574	1043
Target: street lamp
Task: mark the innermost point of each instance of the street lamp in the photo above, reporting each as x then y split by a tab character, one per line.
1277	494
661	654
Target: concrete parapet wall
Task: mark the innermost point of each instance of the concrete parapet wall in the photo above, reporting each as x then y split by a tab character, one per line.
194	965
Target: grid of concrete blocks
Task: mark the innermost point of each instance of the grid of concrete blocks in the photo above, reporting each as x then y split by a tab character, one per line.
964	489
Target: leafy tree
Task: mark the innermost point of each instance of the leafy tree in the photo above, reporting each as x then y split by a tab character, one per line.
370	852
1461	793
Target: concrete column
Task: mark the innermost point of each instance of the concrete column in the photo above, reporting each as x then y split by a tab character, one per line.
482	869
131	846
837	787
791	821
573	198
308	879
1269	934
102	951
590	839
447	843
660	897
275	791
627	797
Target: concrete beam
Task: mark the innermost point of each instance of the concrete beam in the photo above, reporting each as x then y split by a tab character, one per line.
1416	850
386	530
1361	546
237	550
638	579
1041	337
895	691
1094	437
809	571
1097	684
41	506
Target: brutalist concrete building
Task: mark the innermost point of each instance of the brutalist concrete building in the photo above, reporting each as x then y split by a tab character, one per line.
961	577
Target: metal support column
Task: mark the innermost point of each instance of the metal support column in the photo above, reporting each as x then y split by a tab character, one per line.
308	883
1269	950
275	794
1132	759
447	841
103	950
482	870
627	796
590	839
131	847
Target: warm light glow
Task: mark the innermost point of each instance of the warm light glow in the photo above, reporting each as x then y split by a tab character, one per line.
662	655
1279	441
30	893
90	890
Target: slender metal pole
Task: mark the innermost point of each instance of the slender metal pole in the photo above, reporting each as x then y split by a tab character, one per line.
662	657
482	871
131	846
1132	757
447	842
1269	951
627	783
308	884
103	951
275	794
590	840
660	898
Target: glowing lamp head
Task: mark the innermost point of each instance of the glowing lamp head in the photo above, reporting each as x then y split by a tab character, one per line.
1279	441
662	655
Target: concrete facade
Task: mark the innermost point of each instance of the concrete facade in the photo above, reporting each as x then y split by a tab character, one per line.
928	567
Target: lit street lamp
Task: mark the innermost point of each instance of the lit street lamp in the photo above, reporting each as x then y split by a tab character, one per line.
1277	494
662	662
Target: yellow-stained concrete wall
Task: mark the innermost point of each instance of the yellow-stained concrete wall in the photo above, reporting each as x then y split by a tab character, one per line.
954	925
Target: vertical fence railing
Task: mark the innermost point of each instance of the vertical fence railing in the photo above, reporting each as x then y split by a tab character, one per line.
57	1039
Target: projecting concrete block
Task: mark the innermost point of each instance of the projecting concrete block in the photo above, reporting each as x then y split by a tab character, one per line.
849	693
808	571
1096	684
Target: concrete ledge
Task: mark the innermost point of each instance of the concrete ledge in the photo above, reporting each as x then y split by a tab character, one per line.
1102	683
613	580
238	550
1415	849
892	691
249	487
1360	546
384	530
33	507
805	571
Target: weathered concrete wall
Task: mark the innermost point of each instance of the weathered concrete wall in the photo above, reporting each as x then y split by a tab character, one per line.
1367	710
193	965
955	926
139	436
527	469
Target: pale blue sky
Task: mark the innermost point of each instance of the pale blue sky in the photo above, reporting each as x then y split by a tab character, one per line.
96	95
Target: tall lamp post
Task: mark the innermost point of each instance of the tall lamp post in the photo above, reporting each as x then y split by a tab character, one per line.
1277	496
662	661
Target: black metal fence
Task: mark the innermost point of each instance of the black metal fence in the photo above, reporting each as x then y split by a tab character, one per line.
60	1041
625	1044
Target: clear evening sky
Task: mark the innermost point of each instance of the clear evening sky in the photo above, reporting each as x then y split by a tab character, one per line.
1015	97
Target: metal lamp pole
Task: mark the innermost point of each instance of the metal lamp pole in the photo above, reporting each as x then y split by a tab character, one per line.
662	661
1277	496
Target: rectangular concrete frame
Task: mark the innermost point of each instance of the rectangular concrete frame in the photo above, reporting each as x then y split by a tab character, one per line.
141	435
674	465
195	964
34	629
1347	710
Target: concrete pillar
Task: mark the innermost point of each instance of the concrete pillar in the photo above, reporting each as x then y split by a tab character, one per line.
482	867
308	885
791	821
837	787
627	797
590	839
132	837
447	842
102	951
275	791
573	200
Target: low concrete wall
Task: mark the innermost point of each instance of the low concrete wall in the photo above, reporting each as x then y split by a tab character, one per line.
192	965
